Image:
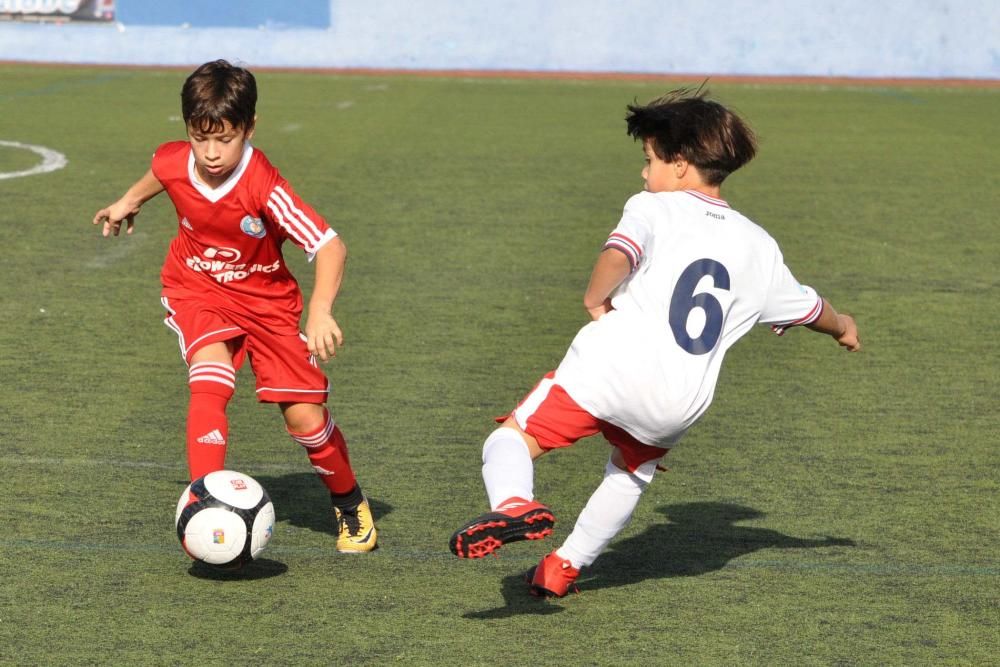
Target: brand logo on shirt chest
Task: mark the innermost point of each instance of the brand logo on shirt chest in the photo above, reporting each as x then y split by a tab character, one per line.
224	265
252	226
717	216
229	255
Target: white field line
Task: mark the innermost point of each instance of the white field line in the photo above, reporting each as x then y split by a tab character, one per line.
882	569
51	160
402	553
119	250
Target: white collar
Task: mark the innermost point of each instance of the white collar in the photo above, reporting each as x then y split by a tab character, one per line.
215	194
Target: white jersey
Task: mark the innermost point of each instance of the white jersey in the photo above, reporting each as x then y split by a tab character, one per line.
702	276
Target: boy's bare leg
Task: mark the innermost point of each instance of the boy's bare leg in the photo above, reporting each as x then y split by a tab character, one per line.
311	426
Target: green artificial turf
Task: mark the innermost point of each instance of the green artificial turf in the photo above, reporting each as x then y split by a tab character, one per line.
830	509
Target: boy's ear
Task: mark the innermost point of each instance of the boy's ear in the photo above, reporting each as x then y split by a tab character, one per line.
250	130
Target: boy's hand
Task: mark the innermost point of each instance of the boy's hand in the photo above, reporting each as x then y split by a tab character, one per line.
114	215
323	335
849	333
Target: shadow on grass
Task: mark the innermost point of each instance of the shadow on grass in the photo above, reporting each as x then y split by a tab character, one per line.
697	538
262	568
302	500
517	602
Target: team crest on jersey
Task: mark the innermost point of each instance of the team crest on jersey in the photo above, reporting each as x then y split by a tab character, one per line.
253	227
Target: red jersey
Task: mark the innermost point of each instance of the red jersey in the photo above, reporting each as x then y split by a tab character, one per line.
228	244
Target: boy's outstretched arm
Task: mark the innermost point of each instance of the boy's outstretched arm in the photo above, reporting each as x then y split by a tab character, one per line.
611	268
323	335
126	208
839	325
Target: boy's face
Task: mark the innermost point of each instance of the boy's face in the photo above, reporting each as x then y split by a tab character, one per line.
659	175
216	154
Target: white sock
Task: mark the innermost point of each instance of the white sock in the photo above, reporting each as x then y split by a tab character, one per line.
507	467
607	512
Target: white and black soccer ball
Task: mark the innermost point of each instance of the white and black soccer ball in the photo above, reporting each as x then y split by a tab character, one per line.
224	518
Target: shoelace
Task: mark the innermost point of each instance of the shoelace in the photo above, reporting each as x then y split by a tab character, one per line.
351	520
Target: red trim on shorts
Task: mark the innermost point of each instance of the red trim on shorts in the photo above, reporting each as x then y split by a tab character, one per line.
558	421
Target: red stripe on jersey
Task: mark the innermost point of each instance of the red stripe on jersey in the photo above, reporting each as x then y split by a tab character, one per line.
711	200
626	245
813	314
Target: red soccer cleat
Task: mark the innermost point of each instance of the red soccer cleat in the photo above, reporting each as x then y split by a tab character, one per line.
553	576
516	519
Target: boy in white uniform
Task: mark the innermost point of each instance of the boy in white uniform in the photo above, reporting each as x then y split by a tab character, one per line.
680	279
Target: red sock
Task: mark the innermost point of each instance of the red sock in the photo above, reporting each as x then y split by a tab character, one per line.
327	452
212	385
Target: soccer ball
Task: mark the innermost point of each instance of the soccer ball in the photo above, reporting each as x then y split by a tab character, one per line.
224	518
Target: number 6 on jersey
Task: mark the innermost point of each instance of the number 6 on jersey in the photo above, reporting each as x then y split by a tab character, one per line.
684	300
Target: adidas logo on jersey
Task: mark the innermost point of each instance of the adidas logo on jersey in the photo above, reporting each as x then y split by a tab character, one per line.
213	437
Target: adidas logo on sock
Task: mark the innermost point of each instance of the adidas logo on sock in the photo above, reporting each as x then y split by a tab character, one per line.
213	437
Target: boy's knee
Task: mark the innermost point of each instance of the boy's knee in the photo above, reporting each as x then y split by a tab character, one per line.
304	417
643	472
504	438
629	483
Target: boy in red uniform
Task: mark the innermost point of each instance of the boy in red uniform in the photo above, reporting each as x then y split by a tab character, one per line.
229	294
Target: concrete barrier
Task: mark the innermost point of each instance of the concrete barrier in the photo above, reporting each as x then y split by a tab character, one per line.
846	38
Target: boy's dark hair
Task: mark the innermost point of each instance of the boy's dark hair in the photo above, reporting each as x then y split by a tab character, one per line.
684	124
216	92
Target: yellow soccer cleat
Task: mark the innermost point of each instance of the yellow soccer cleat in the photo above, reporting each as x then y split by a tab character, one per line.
356	529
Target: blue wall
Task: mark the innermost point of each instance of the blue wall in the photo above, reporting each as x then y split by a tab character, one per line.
226	13
855	38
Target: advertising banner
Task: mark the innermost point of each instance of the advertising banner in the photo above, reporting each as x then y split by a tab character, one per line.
57	10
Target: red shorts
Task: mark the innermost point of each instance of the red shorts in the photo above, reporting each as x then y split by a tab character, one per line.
553	418
285	371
